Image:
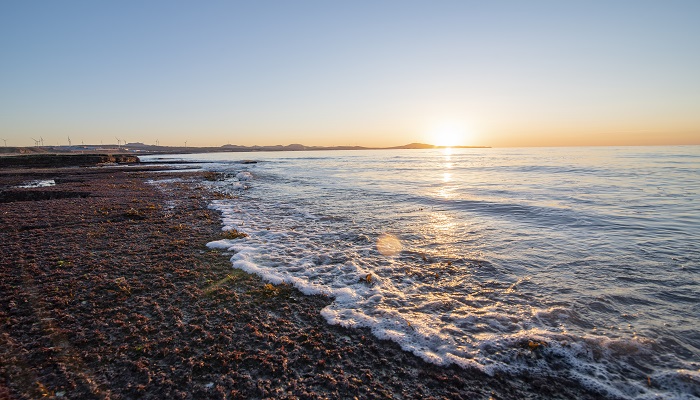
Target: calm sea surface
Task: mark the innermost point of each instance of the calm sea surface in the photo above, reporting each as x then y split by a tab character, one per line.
580	262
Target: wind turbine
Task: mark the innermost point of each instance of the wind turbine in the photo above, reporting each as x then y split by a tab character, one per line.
5	140
119	142
69	142
36	142
42	141
185	143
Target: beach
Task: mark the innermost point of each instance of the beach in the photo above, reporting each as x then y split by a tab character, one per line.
109	291
405	200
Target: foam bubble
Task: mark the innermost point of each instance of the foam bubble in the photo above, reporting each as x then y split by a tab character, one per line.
244	176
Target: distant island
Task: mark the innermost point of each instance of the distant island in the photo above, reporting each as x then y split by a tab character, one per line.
141	148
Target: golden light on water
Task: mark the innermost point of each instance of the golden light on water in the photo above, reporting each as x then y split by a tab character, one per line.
389	245
445	191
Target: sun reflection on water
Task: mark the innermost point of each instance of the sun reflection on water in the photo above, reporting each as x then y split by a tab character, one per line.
446	192
442	223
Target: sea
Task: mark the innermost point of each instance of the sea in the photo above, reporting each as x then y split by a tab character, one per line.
579	262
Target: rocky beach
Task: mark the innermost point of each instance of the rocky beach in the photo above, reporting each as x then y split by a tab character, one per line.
109	291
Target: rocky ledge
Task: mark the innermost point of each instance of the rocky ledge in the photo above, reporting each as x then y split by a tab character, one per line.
64	160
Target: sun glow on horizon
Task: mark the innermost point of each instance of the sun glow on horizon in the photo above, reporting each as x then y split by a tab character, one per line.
449	134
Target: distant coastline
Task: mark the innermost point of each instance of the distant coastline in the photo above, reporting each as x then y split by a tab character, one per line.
141	148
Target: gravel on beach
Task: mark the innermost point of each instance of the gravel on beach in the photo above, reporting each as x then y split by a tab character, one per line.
108	290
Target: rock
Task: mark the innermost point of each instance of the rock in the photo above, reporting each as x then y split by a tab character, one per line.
63	160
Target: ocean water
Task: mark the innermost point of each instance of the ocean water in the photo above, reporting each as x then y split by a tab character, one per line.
578	262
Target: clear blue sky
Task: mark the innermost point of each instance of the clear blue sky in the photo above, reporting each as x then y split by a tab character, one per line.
501	73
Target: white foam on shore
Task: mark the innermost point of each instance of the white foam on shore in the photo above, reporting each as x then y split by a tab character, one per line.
445	311
165	181
279	255
38	184
244	176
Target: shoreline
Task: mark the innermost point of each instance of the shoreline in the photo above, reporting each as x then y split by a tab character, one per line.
115	295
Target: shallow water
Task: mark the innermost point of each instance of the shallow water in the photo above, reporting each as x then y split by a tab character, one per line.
580	262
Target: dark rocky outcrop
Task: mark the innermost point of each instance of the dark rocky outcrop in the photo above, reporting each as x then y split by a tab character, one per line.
10	196
64	160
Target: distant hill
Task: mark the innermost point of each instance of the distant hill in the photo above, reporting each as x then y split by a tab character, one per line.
301	147
415	146
22	150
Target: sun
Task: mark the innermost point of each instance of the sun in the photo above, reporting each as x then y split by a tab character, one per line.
447	139
447	135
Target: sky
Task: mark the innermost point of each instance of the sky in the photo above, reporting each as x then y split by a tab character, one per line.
371	73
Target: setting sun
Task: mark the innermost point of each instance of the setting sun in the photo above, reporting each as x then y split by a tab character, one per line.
448	135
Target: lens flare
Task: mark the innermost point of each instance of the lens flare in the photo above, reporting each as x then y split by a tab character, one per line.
389	245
